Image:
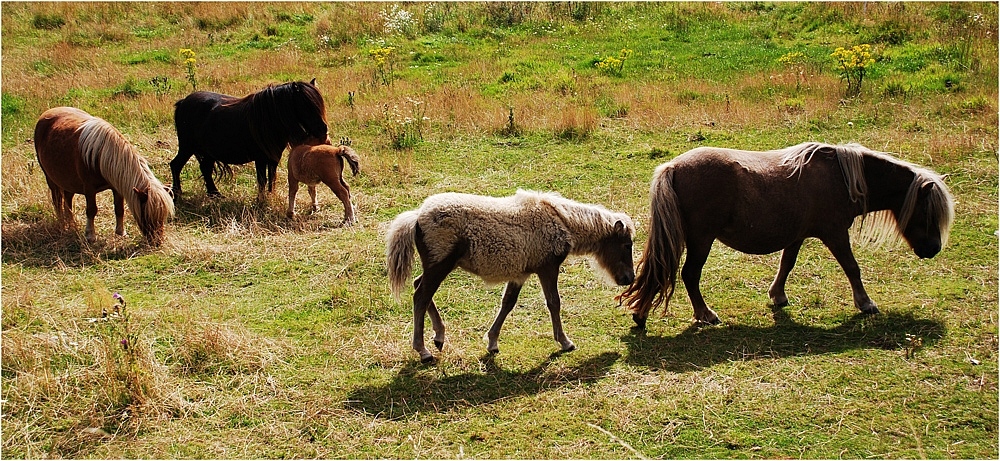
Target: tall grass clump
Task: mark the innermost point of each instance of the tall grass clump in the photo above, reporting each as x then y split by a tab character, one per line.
211	348
44	21
405	130
575	124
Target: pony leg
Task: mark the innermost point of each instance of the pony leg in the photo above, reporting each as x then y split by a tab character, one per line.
510	294
840	246
262	180
344	194
312	196
206	167
777	290
89	232
58	204
549	281
437	324
176	165
293	188
67	210
119	200
436	321
272	175
423	296
697	254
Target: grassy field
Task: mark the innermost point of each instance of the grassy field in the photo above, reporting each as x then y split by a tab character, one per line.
255	336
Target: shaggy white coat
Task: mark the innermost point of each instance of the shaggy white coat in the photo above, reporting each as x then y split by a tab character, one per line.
507	235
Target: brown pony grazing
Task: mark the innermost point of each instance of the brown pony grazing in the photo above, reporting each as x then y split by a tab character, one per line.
762	202
312	164
82	154
502	240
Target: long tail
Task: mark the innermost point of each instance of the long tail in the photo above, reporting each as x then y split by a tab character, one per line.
352	159
654	284
399	249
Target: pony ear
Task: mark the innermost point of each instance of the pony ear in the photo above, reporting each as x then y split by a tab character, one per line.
827	151
143	194
619	227
313	81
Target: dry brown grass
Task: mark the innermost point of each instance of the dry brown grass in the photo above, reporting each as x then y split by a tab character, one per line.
204	347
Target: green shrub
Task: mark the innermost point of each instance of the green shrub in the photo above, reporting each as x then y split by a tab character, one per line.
895	89
975	104
129	89
43	21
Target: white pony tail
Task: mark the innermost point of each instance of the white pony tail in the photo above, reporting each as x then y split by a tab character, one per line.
399	249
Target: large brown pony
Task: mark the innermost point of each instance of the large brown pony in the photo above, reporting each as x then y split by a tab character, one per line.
82	154
502	239
762	202
313	164
221	130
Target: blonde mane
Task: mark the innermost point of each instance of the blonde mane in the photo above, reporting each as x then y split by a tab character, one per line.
882	226
105	149
586	222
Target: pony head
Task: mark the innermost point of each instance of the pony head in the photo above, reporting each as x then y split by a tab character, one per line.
927	214
156	204
614	253
310	112
923	218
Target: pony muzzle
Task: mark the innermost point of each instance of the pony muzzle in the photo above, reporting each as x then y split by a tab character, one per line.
927	250
625	279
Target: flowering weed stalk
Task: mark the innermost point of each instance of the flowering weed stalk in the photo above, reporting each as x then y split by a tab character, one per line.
795	62
189	62
853	63
383	73
612	65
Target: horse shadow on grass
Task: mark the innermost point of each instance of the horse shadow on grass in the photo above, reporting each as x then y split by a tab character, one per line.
700	346
240	213
45	243
420	388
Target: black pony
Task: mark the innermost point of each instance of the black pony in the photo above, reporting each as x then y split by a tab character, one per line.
221	130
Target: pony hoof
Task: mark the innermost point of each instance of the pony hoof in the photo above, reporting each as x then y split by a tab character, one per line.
570	348
640	323
493	351
439	344
870	310
428	360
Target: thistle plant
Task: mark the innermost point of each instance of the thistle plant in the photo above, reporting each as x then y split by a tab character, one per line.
127	365
161	85
853	64
189	62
